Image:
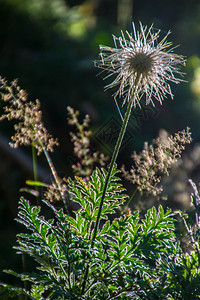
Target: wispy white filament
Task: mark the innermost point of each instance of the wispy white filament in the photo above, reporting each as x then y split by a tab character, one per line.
141	60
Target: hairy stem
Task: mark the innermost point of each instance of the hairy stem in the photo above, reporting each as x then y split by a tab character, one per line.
113	160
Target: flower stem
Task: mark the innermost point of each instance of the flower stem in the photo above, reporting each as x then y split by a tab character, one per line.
113	160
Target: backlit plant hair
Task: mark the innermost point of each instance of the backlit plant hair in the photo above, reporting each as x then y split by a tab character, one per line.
128	257
140	66
140	63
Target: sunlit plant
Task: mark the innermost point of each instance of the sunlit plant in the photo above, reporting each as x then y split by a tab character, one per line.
96	253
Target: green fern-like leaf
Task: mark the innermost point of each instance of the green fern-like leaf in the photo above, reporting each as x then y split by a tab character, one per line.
129	251
11	291
131	258
60	254
88	195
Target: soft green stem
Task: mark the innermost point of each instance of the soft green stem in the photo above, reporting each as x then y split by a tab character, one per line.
35	173
34	158
113	160
34	162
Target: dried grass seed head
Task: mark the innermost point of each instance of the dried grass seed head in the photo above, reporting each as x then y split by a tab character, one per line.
155	160
139	63
29	128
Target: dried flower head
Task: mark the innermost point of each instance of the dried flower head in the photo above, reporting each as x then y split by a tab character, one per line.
141	64
53	193
82	149
156	160
30	128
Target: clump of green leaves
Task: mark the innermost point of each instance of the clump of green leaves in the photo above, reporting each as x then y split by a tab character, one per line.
132	257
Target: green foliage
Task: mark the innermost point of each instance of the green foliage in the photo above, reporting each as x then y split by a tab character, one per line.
132	257
88	195
95	253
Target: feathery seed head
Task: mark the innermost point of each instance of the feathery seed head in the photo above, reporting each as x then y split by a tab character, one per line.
141	65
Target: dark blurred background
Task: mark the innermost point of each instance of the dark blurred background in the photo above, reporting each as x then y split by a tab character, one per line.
50	46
